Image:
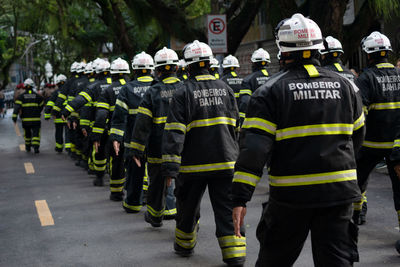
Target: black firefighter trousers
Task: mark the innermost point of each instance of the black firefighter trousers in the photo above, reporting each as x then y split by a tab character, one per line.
31	135
283	230
133	185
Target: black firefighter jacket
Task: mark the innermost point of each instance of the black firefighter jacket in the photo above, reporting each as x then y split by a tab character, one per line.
234	81
28	106
337	66
306	123
62	95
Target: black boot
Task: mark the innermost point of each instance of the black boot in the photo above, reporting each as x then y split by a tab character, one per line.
116	196
98	181
27	148
36	150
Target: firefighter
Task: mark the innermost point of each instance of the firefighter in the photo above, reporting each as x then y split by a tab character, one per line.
148	130
86	100
309	144
214	67
199	151
230	77
330	58
380	94
28	106
182	71
122	124
58	122
104	110
260	59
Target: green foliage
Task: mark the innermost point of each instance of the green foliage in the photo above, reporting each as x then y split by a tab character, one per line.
385	8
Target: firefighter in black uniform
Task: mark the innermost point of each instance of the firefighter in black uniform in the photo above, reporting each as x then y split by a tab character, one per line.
28	106
104	110
330	58
199	150
379	87
87	100
147	134
214	67
58	122
260	59
306	123
230	64
122	124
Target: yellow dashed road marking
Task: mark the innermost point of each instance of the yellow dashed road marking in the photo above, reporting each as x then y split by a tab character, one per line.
22	147
44	213
17	131
29	168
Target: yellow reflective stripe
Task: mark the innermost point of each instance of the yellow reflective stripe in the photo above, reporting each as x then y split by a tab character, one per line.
70	98
359	122
109	80
98	130
122	104
379	145
30	119
56	108
170	80
74	114
120	181
116	131
112	108
246	178
145	79
211	122
187	244
159	120
246	92
384	65
261	124
242	114
396	143
86	96
171	158
116	189
131	207
185	77
100	162
59	121
312	130
311	179
205	77
69	108
88	104
381	106
50	103
62	96
122	81
216	75
169	212
155	213
145	111
137	146
154	160
19	102
312	70
99	168
233	74
175	126
233	252
30	105
181	234
84	122
103	105
47	115
338	67
208	167
237	95
91	80
231	240
133	111
265	72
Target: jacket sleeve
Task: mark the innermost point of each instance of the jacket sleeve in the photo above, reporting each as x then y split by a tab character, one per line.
50	104
102	111
76	104
174	135
17	108
244	97
365	89
143	125
61	98
359	120
40	100
120	117
256	142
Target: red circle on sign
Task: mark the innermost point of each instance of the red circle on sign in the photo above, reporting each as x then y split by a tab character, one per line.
213	29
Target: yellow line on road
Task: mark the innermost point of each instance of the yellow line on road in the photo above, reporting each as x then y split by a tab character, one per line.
29	168
22	147
44	213
17	131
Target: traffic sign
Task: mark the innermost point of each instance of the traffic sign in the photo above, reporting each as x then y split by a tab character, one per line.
217	36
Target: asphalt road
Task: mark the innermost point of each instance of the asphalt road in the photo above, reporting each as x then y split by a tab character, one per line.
91	230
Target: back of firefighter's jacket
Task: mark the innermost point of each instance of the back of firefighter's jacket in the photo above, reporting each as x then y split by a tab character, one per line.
308	122
232	79
341	70
29	106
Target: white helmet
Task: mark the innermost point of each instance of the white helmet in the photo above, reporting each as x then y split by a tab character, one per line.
331	45
182	63
299	33
119	65
166	56
80	67
196	52
214	63
73	66
102	66
29	82
60	78
375	42
142	61
230	61
89	68
95	63
260	55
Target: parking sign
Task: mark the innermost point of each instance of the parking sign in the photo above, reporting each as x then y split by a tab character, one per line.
217	37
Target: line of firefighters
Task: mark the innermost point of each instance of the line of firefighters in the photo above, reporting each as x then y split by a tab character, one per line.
177	119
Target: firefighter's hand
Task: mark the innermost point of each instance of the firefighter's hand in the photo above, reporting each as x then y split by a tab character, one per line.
69	124
137	161
96	146
238	219
116	145
62	117
74	125
84	132
169	181
397	170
